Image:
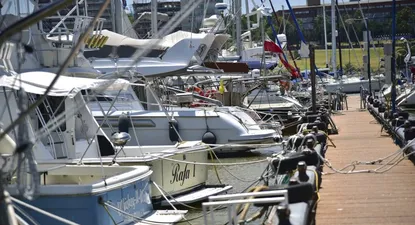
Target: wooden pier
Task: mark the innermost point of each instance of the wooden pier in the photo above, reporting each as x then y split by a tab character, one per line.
368	198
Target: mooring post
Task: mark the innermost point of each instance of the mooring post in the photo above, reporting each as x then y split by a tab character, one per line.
313	79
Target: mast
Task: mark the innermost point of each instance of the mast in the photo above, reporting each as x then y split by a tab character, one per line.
283	20
333	36
248	22
339	39
118	17
153	18
325	34
393	66
238	9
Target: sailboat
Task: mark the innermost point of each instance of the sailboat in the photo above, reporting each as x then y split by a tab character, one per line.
348	84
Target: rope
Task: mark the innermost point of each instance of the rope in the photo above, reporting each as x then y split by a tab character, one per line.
216	170
162	191
373	162
150	222
60	219
109	214
214	164
233	175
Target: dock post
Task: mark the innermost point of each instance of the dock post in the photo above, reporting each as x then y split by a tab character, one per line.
313	78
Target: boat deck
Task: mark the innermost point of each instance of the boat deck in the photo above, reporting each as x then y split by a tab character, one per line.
367	198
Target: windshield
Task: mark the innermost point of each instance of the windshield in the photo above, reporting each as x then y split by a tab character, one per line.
124	96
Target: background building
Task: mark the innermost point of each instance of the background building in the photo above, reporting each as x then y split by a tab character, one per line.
92	7
143	27
375	10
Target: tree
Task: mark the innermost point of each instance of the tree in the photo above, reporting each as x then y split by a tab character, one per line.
131	18
406	20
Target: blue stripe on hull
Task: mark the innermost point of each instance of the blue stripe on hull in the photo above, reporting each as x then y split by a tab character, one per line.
134	199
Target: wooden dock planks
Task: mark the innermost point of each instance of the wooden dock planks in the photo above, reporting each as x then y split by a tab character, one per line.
380	199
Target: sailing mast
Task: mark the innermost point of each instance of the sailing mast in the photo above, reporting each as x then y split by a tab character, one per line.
238	8
154	19
333	36
283	20
339	39
325	34
248	23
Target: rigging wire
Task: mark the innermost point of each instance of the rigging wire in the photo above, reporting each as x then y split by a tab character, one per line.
167	28
366	20
288	44
353	28
74	51
347	35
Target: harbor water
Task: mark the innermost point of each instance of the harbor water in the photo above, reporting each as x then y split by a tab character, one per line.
241	177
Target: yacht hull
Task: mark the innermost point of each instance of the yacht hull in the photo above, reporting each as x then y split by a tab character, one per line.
133	197
151	128
176	174
354	87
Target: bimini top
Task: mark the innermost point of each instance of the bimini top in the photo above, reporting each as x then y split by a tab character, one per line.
37	82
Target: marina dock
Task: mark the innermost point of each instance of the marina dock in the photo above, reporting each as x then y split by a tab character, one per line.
366	198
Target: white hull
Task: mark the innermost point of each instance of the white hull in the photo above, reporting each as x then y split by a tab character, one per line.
354	86
152	128
174	177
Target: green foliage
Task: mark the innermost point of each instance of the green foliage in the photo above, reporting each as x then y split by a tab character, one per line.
354	26
131	18
405	21
349	68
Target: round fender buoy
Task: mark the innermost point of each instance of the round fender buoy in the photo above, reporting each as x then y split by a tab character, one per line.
209	138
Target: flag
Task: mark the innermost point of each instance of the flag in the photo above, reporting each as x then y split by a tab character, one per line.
272	47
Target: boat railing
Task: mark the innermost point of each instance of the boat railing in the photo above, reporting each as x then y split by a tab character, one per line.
231	201
64	30
6	50
265	120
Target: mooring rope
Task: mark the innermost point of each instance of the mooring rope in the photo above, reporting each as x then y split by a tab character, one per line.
215	164
392	162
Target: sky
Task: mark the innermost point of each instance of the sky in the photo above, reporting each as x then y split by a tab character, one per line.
277	3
